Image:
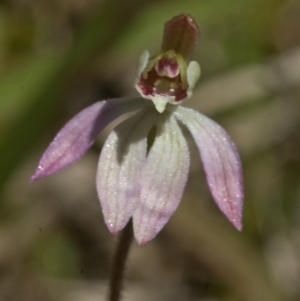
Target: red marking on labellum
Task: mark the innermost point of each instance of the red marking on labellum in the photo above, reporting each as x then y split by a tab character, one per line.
167	67
163	79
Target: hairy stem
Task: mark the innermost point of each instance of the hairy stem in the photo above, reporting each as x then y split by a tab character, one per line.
118	266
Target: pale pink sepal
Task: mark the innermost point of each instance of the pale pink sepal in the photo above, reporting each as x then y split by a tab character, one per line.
120	168
76	137
163	181
221	162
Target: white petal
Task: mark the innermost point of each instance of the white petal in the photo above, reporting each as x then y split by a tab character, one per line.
221	162
120	167
143	61
163	181
193	73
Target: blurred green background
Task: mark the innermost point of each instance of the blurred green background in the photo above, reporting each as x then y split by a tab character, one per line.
59	56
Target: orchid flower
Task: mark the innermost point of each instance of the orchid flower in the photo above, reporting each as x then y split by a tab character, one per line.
144	163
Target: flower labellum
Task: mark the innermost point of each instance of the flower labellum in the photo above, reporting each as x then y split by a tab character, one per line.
166	77
145	181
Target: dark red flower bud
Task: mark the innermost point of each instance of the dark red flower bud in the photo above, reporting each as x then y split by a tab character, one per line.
181	34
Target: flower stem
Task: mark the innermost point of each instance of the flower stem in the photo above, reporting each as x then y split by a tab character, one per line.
119	260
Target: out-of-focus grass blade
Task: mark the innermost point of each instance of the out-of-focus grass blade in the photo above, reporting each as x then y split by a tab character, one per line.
100	32
22	85
204	237
150	21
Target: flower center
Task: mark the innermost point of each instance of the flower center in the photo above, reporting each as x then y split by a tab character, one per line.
165	75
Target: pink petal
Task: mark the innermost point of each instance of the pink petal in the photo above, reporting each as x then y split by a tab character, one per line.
221	162
76	137
120	168
163	181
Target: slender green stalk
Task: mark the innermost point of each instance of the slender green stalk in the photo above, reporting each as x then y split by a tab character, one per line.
118	266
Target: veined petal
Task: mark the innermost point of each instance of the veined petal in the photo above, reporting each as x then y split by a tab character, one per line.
221	162
76	137
163	181
120	168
